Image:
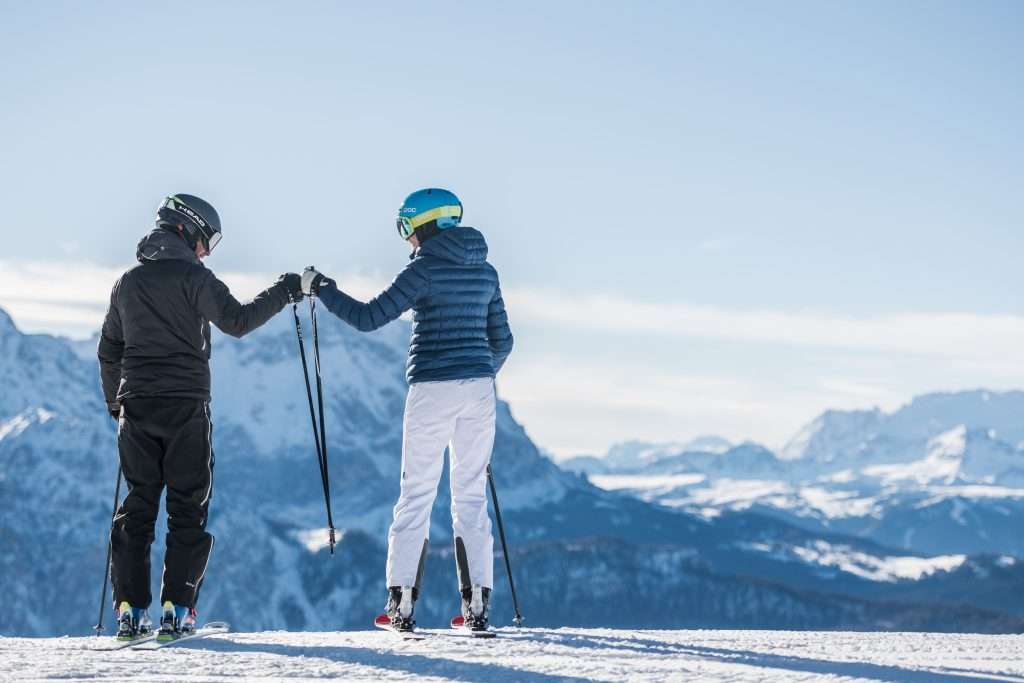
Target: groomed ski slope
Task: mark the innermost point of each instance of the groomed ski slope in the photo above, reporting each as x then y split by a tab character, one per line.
532	656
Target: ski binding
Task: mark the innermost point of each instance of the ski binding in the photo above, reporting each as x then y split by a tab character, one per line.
383	622
458	625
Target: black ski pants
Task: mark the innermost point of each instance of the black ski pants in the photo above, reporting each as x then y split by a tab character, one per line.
163	442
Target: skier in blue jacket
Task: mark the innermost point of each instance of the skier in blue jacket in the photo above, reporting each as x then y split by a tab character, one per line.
460	340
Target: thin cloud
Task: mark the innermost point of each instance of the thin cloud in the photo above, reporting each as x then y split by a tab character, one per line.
966	336
73	303
82	290
575	405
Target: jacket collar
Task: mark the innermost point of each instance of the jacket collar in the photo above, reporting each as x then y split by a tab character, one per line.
462	245
163	245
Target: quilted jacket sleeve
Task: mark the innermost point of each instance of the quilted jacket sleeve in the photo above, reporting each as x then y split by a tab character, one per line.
411	284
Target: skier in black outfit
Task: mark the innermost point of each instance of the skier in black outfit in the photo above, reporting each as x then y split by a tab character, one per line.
154	354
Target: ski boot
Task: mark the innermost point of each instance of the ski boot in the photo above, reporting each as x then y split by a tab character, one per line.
399	610
475	607
176	621
132	622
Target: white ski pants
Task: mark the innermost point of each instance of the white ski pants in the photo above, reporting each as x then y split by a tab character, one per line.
459	414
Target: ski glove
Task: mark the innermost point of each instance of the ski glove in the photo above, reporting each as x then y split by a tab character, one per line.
312	280
292	284
114	409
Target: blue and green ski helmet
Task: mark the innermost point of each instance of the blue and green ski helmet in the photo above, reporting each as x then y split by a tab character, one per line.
423	206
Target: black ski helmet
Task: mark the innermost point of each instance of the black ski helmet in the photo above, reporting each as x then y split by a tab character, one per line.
196	215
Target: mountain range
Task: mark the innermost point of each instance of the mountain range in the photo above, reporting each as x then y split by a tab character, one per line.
585	551
944	474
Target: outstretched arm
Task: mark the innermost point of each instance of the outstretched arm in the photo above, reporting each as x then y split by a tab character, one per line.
499	334
215	302
110	352
410	285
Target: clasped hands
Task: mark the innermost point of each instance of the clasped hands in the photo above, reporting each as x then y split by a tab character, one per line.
307	284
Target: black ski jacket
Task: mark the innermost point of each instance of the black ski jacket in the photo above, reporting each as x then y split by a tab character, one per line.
156	336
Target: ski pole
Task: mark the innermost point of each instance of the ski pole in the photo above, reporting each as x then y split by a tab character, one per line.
324	474
312	411
518	619
106	568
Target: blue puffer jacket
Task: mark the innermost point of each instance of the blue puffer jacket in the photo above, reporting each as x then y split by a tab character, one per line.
460	329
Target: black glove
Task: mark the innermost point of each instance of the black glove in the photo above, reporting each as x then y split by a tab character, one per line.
312	280
114	409
292	284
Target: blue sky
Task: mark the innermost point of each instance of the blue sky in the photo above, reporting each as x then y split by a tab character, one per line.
709	217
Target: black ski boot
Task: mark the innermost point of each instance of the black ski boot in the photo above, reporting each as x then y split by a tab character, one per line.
132	623
400	607
176	621
475	606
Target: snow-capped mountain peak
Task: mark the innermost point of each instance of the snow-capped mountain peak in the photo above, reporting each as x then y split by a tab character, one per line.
941	463
7	325
640	453
644	456
708	443
833	433
932	414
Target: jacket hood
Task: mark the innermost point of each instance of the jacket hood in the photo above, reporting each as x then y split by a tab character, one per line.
462	245
162	245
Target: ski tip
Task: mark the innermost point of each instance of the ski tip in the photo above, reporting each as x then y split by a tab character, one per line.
217	625
458	622
382	621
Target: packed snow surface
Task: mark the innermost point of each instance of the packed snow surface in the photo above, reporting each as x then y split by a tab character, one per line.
531	656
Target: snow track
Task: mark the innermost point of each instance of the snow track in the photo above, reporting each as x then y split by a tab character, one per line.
532	656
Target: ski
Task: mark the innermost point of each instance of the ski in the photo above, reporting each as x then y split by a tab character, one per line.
459	627
383	622
211	629
122	644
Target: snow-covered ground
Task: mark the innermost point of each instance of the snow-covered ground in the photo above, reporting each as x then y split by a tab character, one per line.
532	656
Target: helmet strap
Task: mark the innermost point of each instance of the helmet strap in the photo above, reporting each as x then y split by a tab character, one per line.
427	231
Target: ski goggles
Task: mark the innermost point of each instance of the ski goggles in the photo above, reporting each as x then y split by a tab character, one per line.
407	224
405	227
212	241
210	237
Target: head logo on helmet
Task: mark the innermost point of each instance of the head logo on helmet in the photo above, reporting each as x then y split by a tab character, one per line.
432	205
183	208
